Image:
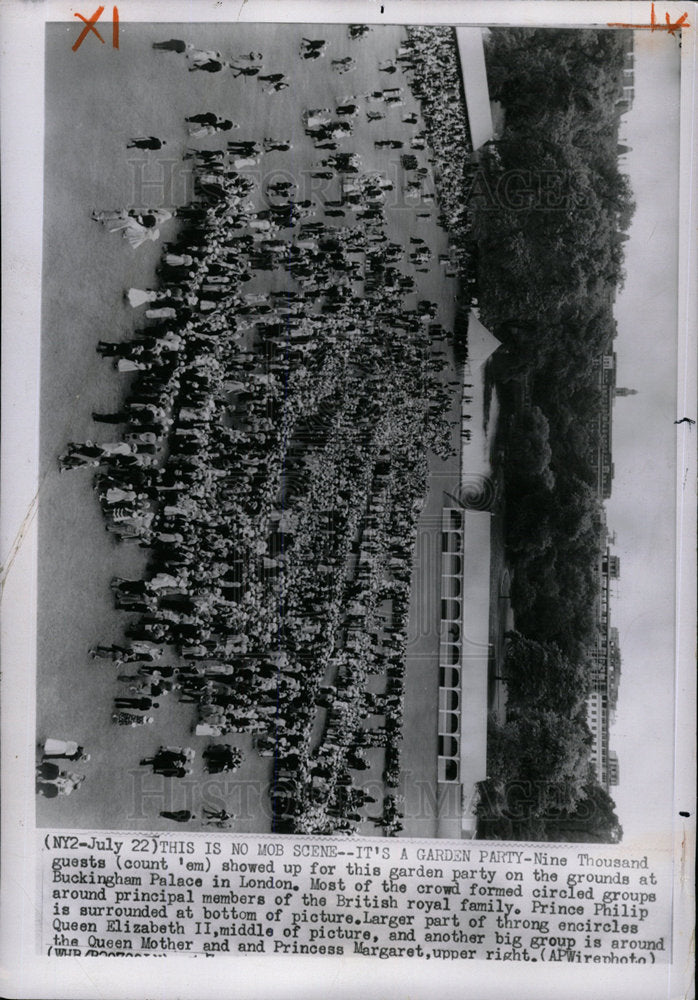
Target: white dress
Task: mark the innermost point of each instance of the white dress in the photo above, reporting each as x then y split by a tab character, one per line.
178	259
207	729
116	495
137	235
139	296
200	56
63	748
199	131
161	312
130	365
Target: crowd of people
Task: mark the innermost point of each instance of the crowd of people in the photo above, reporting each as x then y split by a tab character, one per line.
431	53
270	458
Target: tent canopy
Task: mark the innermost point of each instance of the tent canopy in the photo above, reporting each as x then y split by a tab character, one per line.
481	343
477	94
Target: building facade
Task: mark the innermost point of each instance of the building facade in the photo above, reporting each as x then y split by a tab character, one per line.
605	675
463	661
601	457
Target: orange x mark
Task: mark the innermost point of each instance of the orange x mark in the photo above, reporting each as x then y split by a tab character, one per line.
671	26
89	26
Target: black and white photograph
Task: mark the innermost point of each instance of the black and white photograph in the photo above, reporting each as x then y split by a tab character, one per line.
357	411
348	499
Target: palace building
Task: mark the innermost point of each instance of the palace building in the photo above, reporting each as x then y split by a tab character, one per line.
605	654
605	659
602	455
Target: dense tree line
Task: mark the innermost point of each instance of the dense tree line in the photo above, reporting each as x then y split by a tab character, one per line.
549	210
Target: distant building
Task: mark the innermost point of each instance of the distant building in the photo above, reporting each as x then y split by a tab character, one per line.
624	103
602	456
605	653
605	675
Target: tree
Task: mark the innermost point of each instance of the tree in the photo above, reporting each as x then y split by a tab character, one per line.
528	449
539	675
550	259
528	531
548	245
544	755
593	820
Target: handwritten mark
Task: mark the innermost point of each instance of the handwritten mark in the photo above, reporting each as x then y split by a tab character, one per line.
671	26
90	27
19	539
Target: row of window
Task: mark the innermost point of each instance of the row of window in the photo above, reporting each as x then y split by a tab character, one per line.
448	761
